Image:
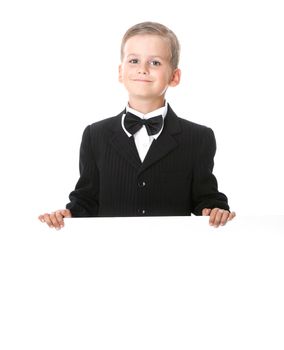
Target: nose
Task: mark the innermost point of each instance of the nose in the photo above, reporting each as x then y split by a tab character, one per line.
142	69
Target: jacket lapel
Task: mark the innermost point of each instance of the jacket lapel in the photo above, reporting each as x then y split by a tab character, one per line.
165	142
123	144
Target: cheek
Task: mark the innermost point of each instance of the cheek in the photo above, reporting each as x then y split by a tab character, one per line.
123	73
164	77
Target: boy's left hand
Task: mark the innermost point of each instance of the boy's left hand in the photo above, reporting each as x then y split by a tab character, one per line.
218	216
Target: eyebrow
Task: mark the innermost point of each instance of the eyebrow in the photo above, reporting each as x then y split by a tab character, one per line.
152	56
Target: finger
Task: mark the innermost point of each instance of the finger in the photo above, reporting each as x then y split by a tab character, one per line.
54	221
224	217
218	217
212	216
206	212
231	216
59	218
46	218
41	218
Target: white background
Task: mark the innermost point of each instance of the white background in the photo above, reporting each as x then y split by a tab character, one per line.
59	62
58	73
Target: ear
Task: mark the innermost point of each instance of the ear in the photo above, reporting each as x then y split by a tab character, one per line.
175	80
120	73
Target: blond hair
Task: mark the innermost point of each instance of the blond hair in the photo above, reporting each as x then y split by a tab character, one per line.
154	28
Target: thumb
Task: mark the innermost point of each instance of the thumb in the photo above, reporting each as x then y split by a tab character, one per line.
66	213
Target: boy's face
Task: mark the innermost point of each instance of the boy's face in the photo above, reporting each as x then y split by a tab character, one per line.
145	69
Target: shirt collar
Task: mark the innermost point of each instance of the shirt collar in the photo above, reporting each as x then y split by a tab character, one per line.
160	111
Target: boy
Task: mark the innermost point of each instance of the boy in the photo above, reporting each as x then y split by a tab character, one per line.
146	161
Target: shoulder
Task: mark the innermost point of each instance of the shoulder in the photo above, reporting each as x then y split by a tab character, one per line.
198	135
107	123
192	126
193	135
187	126
104	126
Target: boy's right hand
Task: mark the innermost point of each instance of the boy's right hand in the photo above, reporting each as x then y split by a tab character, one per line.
55	219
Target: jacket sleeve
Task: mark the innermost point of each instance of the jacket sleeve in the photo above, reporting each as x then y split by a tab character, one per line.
84	200
205	192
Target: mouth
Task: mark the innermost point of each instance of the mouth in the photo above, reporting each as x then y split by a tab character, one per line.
143	80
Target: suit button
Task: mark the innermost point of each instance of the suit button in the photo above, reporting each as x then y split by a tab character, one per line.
142	184
142	211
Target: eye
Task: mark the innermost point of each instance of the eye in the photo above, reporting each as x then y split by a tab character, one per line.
155	63
133	61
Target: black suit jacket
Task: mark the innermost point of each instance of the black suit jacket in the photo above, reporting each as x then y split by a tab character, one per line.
175	177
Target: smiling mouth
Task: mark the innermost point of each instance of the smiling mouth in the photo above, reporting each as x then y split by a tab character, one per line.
143	80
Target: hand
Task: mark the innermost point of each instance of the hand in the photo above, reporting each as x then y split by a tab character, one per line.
218	216
55	219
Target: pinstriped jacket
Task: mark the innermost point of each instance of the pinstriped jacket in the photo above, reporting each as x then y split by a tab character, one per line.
175	178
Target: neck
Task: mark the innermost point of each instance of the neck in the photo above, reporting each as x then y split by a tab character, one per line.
146	106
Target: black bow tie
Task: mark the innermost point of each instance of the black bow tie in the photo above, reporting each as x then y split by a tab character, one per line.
133	123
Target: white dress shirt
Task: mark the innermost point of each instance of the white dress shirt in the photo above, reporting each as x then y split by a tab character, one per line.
142	140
